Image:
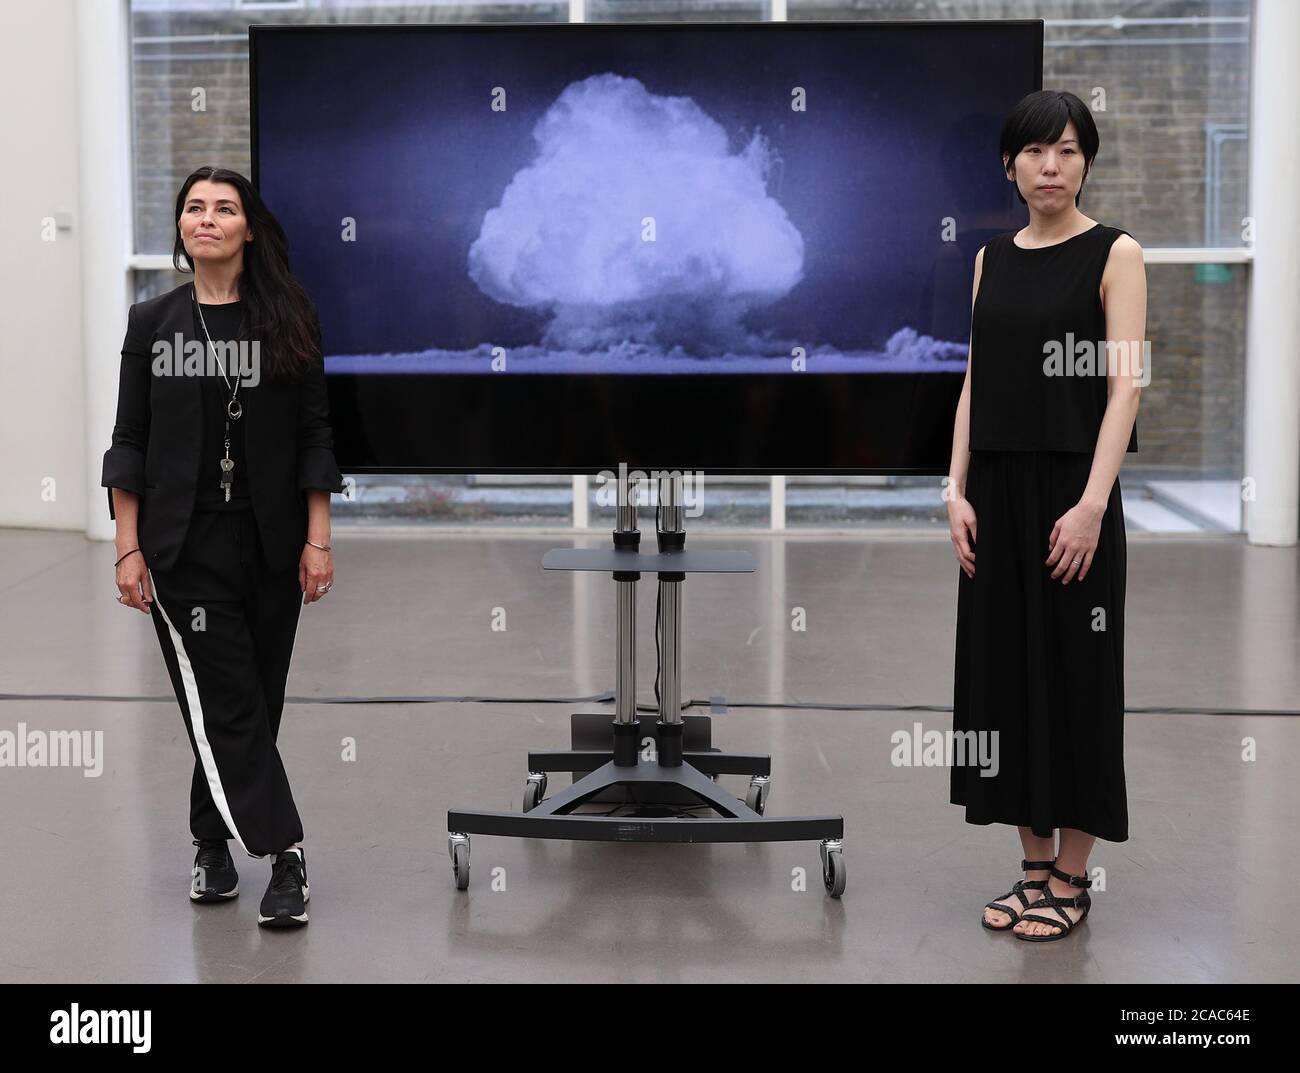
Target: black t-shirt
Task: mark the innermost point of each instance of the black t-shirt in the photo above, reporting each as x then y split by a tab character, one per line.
1032	304
224	324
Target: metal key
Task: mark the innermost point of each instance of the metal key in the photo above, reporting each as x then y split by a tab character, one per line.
227	464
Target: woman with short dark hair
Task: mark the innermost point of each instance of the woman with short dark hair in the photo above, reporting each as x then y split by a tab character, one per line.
1045	417
219	478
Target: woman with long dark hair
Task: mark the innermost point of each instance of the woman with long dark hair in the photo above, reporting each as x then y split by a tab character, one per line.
1045	417
219	479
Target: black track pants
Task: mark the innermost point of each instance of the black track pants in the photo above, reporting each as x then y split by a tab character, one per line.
226	624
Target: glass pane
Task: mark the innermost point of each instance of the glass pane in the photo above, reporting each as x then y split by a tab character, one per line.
1189	462
457	499
150	283
1169	85
676	10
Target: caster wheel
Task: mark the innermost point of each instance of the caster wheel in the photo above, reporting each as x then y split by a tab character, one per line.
833	874
534	790
760	786
458	848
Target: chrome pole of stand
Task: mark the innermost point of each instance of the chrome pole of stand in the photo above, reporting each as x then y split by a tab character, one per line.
625	620
671	537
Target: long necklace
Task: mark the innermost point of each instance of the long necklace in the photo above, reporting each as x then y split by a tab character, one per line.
234	408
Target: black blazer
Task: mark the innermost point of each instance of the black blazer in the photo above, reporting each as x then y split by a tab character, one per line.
157	441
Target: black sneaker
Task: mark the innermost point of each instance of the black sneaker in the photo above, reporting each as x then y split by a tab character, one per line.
285	903
213	878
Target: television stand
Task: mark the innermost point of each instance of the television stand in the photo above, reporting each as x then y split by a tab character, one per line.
657	770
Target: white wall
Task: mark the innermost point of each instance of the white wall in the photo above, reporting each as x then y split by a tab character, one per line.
42	404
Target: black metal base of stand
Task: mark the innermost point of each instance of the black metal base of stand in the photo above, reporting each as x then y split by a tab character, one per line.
590	733
554	817
649	798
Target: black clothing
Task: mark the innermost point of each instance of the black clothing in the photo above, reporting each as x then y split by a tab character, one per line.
157	446
1026	300
1039	666
229	677
1041	663
224	575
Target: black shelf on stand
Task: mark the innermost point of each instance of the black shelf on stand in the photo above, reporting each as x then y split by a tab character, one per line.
608	761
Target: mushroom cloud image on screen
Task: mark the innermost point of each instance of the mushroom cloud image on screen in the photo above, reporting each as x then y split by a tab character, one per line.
637	241
637	224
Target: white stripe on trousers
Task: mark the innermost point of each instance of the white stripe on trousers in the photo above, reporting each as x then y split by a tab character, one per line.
206	758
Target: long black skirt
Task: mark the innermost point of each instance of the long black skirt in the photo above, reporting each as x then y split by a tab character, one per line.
1040	665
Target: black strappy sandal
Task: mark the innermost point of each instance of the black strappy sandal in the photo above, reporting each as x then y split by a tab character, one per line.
1018	890
1051	901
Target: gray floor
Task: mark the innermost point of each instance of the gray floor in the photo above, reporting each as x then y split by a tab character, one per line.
96	870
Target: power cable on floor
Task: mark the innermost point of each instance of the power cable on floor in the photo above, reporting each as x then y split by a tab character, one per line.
716	705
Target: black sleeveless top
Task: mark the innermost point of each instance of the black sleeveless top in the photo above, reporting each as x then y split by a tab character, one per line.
224	323
1034	306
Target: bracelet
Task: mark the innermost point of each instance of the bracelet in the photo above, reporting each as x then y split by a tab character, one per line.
131	552
323	547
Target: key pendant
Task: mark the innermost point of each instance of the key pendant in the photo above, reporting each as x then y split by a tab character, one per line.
227	464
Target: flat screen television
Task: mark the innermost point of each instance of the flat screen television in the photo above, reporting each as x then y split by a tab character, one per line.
556	248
